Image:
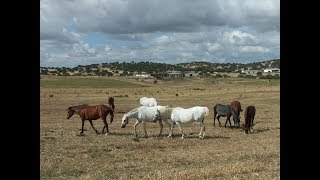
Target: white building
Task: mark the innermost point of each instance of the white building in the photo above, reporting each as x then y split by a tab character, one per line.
250	71
271	70
143	75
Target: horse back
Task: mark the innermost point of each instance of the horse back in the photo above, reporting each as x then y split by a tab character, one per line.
94	112
222	110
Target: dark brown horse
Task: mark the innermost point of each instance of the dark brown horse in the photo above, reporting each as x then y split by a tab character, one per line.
249	114
90	113
236	106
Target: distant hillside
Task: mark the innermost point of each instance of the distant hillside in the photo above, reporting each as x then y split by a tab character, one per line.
127	69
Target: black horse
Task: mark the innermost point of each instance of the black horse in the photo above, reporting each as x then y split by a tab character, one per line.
249	114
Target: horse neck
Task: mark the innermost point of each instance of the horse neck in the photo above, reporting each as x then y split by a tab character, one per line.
133	113
167	112
233	112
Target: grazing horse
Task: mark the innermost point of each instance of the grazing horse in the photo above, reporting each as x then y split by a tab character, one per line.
225	111
144	114
90	113
183	116
236	106
144	101
249	114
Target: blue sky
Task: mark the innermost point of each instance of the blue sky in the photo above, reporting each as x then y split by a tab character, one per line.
82	32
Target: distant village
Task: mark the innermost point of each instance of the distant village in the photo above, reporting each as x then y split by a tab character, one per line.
268	68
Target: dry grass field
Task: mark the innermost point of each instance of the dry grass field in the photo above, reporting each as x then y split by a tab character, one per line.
224	153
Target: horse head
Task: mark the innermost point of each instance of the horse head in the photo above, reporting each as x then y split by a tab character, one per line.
125	120
157	116
236	121
70	112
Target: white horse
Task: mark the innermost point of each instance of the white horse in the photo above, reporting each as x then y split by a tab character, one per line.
144	114
183	116
144	101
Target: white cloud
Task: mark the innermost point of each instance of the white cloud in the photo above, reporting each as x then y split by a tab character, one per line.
213	47
254	49
166	30
239	38
162	40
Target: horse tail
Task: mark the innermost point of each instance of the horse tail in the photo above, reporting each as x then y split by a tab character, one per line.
214	112
111	102
207	111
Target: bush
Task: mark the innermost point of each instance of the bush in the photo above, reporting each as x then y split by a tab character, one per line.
250	76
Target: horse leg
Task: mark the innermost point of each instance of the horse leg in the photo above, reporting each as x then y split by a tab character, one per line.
145	129
246	127
225	125
81	133
105	126
171	129
161	127
178	124
93	127
202	130
219	120
251	128
167	123
135	128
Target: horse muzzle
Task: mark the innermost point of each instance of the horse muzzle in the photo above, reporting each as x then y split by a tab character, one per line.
123	125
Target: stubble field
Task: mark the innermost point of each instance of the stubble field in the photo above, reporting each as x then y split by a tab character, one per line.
224	153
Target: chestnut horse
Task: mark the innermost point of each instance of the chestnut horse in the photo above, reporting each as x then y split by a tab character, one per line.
90	113
236	106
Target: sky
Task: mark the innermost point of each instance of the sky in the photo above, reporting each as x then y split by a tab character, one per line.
84	32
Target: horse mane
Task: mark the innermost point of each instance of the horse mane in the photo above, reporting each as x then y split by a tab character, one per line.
78	107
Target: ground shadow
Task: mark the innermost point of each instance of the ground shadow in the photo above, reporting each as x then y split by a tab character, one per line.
121	112
260	130
197	137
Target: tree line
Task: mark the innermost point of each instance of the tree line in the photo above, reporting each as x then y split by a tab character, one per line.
129	68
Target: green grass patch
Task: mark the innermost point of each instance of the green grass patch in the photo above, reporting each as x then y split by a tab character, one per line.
87	83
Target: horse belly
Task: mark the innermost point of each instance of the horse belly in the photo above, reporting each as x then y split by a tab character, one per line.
93	117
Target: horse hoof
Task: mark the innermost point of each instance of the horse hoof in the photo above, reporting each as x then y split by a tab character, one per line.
106	134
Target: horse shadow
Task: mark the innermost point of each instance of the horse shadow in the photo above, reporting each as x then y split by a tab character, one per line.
258	130
261	130
121	134
192	136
